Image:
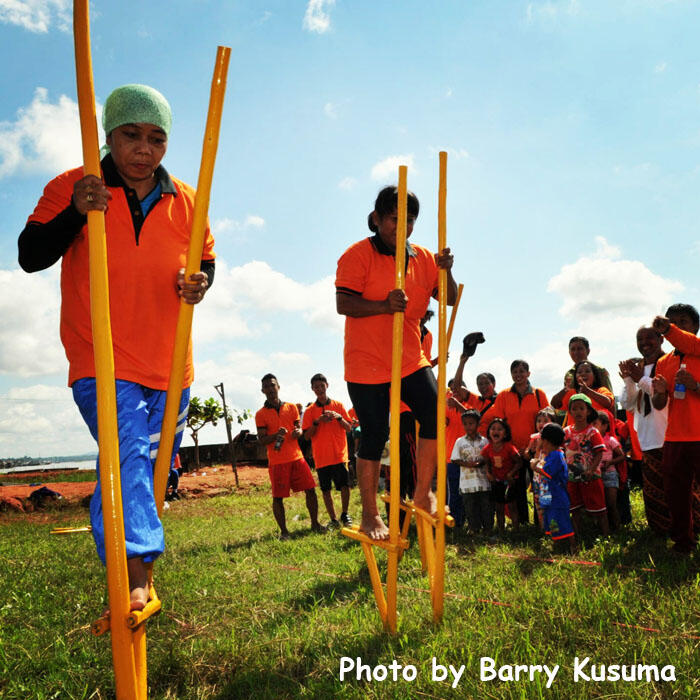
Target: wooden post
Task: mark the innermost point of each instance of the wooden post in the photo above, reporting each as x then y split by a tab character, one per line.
232	452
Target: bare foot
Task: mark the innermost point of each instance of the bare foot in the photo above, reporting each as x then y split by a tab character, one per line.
426	502
373	526
138	597
138	583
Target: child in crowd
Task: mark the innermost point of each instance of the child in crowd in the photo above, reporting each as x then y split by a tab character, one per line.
474	484
554	496
612	456
534	451
584	450
502	467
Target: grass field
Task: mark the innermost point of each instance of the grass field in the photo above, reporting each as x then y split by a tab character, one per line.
247	616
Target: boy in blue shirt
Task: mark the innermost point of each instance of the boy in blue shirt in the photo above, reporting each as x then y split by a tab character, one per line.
554	495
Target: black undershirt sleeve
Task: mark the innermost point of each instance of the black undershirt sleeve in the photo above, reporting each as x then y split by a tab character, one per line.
41	245
208	266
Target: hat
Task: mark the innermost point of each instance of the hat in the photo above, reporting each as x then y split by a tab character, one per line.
580	397
136	104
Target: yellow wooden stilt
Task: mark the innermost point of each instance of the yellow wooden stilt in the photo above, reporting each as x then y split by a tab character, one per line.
125	673
396	543
453	315
194	258
438	578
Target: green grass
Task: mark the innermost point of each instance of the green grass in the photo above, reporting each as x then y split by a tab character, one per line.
247	616
48	478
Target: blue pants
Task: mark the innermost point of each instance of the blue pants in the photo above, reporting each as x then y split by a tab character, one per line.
454	497
139	418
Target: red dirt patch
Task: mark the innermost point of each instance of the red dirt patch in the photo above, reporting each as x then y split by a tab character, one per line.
203	483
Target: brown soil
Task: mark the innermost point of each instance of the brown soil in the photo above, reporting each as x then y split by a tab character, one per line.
213	481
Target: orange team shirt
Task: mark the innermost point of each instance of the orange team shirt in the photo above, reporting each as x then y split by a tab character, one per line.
272	420
454	429
598	407
144	304
427	346
683	414
364	271
477	402
329	443
520	414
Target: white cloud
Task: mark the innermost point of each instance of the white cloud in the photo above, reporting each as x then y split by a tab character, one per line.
227	225
330	110
268	290
551	10
29	341
602	285
606	299
36	15
347	183
388	169
317	18
660	67
45	138
452	153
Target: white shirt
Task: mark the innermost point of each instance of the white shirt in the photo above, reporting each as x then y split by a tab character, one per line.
651	429
471	479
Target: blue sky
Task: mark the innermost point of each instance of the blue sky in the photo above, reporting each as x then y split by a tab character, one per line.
573	133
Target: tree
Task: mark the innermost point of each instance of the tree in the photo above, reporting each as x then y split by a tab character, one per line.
198	415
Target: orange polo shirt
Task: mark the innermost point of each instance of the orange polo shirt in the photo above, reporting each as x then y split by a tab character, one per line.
520	413
454	429
427	346
144	304
477	402
329	443
683	414
371	274
272	420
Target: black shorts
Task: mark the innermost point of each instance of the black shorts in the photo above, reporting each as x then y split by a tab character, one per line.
333	474
371	403
502	493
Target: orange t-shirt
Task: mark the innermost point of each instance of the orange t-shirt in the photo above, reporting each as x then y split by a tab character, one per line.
520	414
482	405
272	420
144	304
329	444
683	414
454	429
364	271
427	346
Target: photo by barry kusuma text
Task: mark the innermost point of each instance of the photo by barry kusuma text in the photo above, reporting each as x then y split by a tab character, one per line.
582	669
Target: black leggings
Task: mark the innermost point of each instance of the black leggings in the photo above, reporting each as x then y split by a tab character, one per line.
371	403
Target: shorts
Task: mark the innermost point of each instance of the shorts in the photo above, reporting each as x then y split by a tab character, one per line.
295	475
590	494
557	523
502	493
611	479
332	474
371	403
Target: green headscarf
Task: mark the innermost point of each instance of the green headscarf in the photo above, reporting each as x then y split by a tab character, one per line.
136	104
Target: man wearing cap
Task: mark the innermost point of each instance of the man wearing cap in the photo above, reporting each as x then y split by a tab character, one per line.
148	217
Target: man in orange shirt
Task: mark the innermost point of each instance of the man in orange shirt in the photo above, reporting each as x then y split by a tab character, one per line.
519	405
681	451
279	429
326	424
